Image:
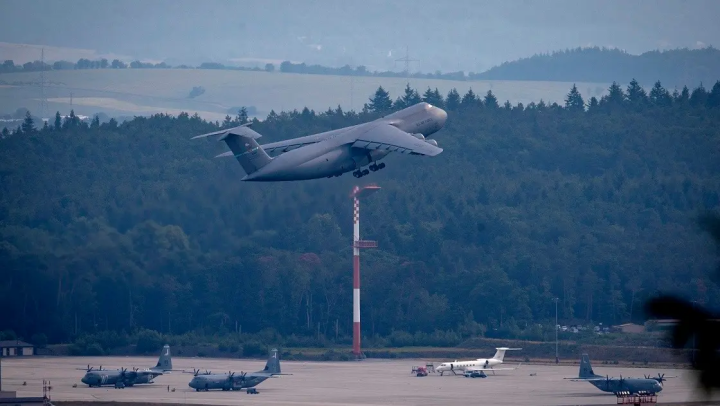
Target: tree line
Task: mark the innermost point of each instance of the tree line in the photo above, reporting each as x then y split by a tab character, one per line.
676	67
111	228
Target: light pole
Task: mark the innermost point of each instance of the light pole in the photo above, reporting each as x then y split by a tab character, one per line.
694	302
557	358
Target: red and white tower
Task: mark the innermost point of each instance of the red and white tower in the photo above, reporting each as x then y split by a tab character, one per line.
357	194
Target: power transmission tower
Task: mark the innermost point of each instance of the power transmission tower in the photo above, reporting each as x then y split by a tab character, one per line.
43	100
352	82
407	61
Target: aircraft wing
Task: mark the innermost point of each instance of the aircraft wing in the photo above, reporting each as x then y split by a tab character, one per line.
489	369
390	138
586	379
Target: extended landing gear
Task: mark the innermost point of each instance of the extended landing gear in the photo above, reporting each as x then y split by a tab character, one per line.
374	167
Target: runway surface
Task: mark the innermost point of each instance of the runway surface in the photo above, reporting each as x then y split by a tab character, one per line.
369	382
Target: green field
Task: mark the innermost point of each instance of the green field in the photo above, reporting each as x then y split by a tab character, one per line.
145	91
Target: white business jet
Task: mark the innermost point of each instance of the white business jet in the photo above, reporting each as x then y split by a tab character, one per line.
479	364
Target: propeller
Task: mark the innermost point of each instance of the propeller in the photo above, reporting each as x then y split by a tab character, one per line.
660	378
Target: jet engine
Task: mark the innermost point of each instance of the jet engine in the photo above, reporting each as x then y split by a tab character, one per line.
432	142
419	136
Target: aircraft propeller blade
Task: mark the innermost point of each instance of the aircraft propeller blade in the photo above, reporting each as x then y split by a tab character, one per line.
661	378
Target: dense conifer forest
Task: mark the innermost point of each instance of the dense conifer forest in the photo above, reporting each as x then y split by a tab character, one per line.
118	228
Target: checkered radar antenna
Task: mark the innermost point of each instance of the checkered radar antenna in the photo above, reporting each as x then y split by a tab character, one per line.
357	194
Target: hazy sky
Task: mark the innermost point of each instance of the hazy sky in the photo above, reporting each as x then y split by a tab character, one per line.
470	35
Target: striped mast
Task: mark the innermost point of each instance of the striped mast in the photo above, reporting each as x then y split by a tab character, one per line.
357	194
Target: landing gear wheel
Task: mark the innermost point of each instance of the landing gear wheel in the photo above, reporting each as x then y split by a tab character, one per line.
365	172
373	167
382	165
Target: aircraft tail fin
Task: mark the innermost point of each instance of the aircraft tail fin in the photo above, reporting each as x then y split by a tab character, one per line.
586	370
500	354
242	142
273	363
165	361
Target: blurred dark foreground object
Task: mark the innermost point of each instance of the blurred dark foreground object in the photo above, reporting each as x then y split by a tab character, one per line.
695	322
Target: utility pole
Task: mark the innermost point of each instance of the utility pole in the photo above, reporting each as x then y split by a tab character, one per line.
557	358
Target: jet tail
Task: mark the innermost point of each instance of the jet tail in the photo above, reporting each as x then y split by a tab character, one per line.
165	361
242	142
500	354
586	370
273	363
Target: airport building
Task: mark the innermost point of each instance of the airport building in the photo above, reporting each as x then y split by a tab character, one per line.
12	348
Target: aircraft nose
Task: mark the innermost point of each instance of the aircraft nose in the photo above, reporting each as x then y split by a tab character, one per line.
440	116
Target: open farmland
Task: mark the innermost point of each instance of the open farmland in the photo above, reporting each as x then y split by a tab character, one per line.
146	91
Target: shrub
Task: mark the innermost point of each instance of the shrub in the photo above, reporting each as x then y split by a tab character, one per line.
94	349
39	340
148	341
253	348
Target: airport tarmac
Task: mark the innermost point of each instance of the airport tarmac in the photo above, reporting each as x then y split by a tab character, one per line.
368	382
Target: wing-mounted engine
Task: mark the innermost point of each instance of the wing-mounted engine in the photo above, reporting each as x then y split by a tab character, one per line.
432	142
419	136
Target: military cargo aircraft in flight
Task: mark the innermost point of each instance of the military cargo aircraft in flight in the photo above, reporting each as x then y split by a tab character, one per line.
335	152
632	386
121	378
243	380
477	365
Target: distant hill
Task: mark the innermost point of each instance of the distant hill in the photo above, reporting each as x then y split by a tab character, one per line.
673	68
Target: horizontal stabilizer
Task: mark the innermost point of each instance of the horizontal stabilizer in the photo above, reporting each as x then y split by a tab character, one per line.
225	154
228	131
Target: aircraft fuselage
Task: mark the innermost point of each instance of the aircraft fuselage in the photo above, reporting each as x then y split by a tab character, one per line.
327	154
111	377
632	385
208	382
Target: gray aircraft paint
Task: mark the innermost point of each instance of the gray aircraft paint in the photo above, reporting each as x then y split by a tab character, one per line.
232	381
102	377
335	152
615	385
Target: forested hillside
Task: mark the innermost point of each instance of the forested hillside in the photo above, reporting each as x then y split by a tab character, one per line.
673	67
120	227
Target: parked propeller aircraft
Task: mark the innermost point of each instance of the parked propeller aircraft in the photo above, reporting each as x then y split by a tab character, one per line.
121	378
243	380
480	364
335	152
633	386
